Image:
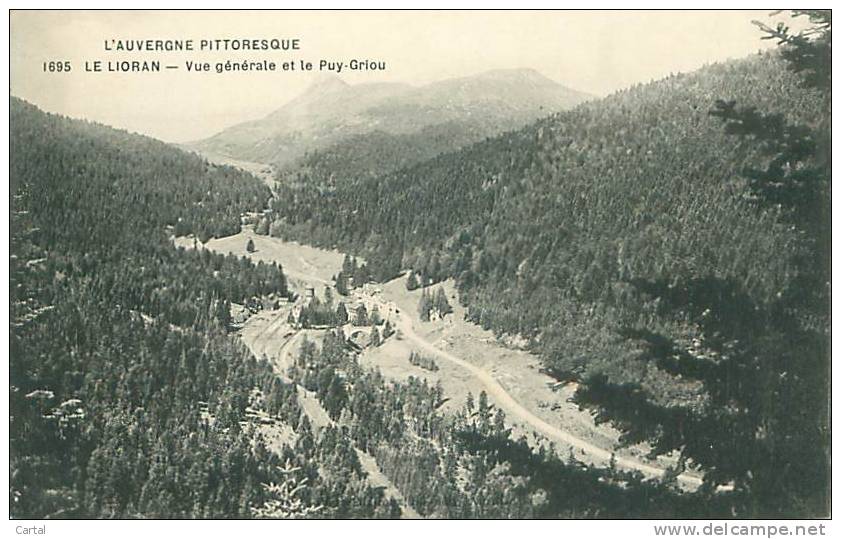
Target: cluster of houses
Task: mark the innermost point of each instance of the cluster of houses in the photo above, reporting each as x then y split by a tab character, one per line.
298	308
370	295
255	304
357	333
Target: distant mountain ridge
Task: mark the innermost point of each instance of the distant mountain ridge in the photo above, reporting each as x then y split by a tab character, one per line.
331	111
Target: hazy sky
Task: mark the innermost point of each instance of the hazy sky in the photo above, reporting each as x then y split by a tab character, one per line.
596	52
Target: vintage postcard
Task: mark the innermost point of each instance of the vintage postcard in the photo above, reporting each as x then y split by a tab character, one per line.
421	265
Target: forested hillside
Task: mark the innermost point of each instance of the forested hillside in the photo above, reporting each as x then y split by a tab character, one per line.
640	185
127	396
373	154
130	399
646	248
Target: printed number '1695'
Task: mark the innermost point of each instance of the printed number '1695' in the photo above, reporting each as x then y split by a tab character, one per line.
57	67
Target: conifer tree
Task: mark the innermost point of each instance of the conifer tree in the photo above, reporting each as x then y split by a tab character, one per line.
361	316
424	305
341	314
262	227
275	228
341	284
411	281
348	265
440	304
285	498
374	317
375	339
388	330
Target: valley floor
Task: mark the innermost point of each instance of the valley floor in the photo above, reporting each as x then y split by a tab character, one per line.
469	359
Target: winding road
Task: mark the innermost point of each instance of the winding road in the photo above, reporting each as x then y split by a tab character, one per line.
515	409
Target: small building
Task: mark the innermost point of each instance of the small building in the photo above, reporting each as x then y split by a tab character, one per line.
356	338
239	314
295	315
371	289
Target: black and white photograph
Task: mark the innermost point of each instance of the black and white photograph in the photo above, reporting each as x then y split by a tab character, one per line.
421	264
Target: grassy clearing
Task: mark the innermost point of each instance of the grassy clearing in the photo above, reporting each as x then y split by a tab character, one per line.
303	265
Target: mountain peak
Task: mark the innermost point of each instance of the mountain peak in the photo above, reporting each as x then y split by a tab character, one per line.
330	111
514	74
326	83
